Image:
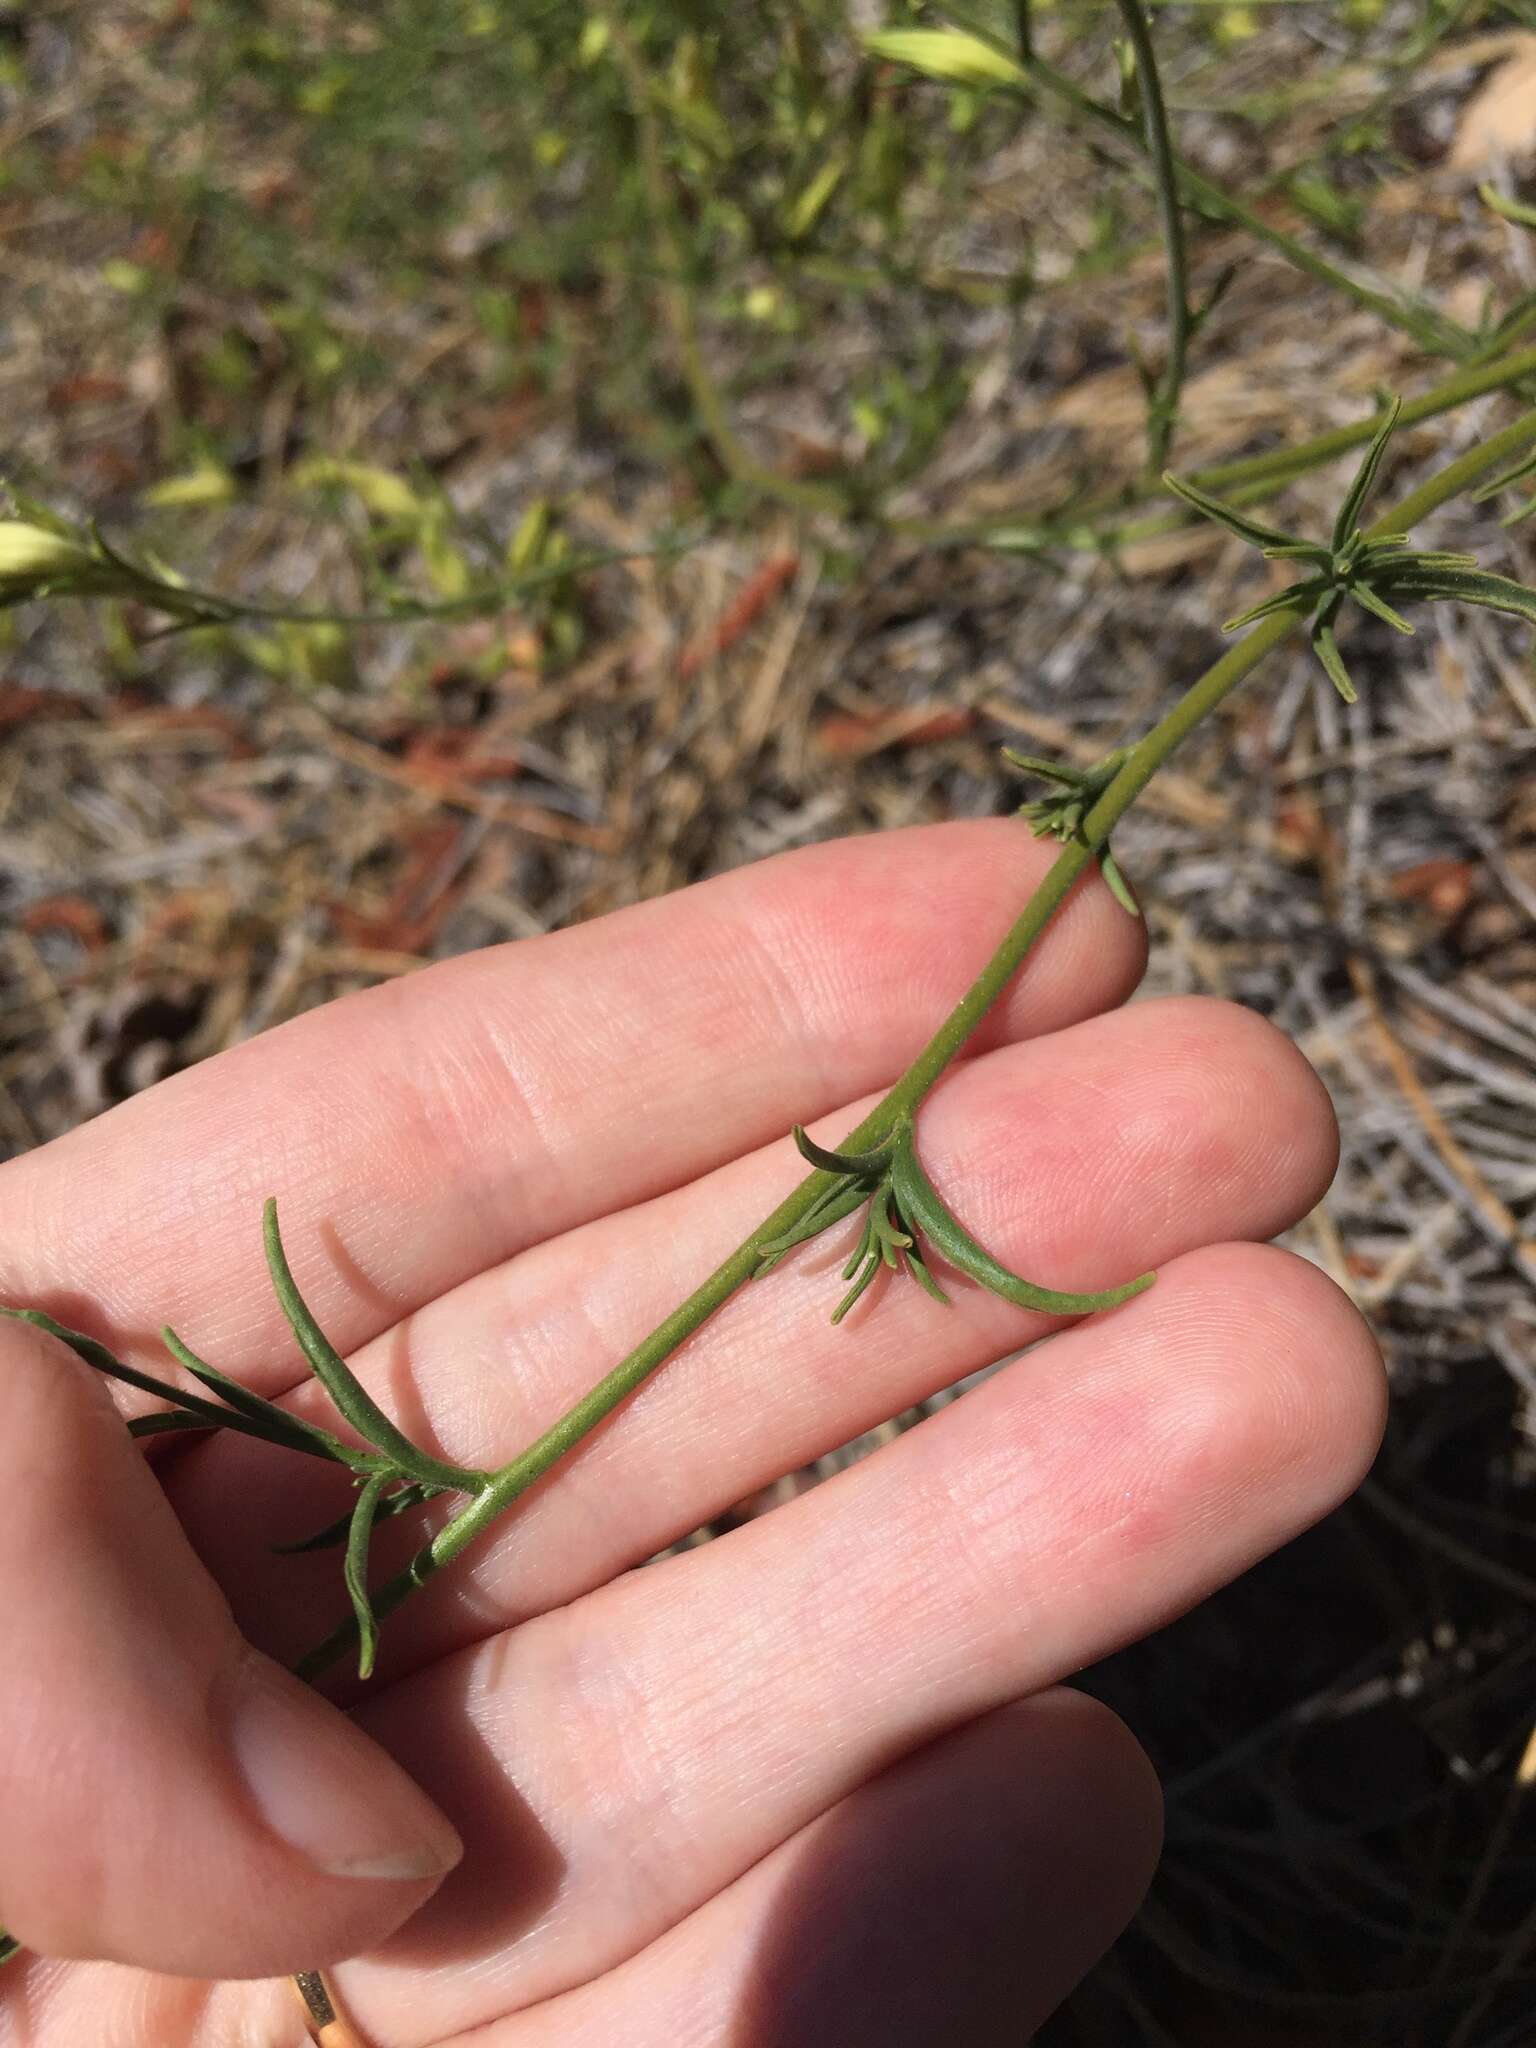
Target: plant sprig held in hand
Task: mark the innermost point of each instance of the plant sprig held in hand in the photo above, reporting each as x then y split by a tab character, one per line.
876	1167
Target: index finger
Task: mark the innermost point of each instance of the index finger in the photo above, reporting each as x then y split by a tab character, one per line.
421	1131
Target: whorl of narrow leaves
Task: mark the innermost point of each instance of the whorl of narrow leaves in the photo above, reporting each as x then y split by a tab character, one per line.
393	1474
1378	574
1061	815
905	1219
400	1463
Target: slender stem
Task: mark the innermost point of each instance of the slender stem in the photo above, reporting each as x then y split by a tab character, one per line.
1141	764
1431	329
1248	479
194	607
1163	409
1475	381
1451	481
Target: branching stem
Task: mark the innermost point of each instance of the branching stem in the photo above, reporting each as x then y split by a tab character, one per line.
1246	481
1140	765
1163	400
1433	332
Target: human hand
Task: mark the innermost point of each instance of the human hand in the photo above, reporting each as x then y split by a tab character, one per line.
807	1783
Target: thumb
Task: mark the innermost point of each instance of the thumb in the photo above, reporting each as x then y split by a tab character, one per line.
168	1796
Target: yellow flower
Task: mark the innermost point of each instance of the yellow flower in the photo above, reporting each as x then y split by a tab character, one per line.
946	53
31	555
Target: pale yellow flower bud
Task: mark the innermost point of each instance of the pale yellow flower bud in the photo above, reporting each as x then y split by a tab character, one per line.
31	554
946	53
385	495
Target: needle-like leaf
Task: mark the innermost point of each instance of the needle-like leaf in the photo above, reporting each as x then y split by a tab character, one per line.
1468	586
277	1423
1517	473
1295	597
866	1273
1062	773
342	1384
1349	511
922	1207
864	1249
197	1412
1301	551
862	1165
1119	888
1418	561
1240	523
832	1209
1326	648
1364	595
917	1266
355	1571
164	1420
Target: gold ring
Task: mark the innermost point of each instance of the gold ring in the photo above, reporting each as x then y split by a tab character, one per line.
326	2027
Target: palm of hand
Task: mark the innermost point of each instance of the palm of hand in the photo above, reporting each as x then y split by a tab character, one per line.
794	1773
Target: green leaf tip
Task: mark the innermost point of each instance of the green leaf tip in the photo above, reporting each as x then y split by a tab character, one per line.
1119	888
857	1165
921	1203
1254	531
1365	476
1326	648
351	1398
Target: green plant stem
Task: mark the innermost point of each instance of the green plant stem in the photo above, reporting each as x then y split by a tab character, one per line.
1163	407
1247	480
1281	464
195	607
1141	764
1431	330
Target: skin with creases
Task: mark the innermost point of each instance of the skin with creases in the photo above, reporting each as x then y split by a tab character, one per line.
820	1767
